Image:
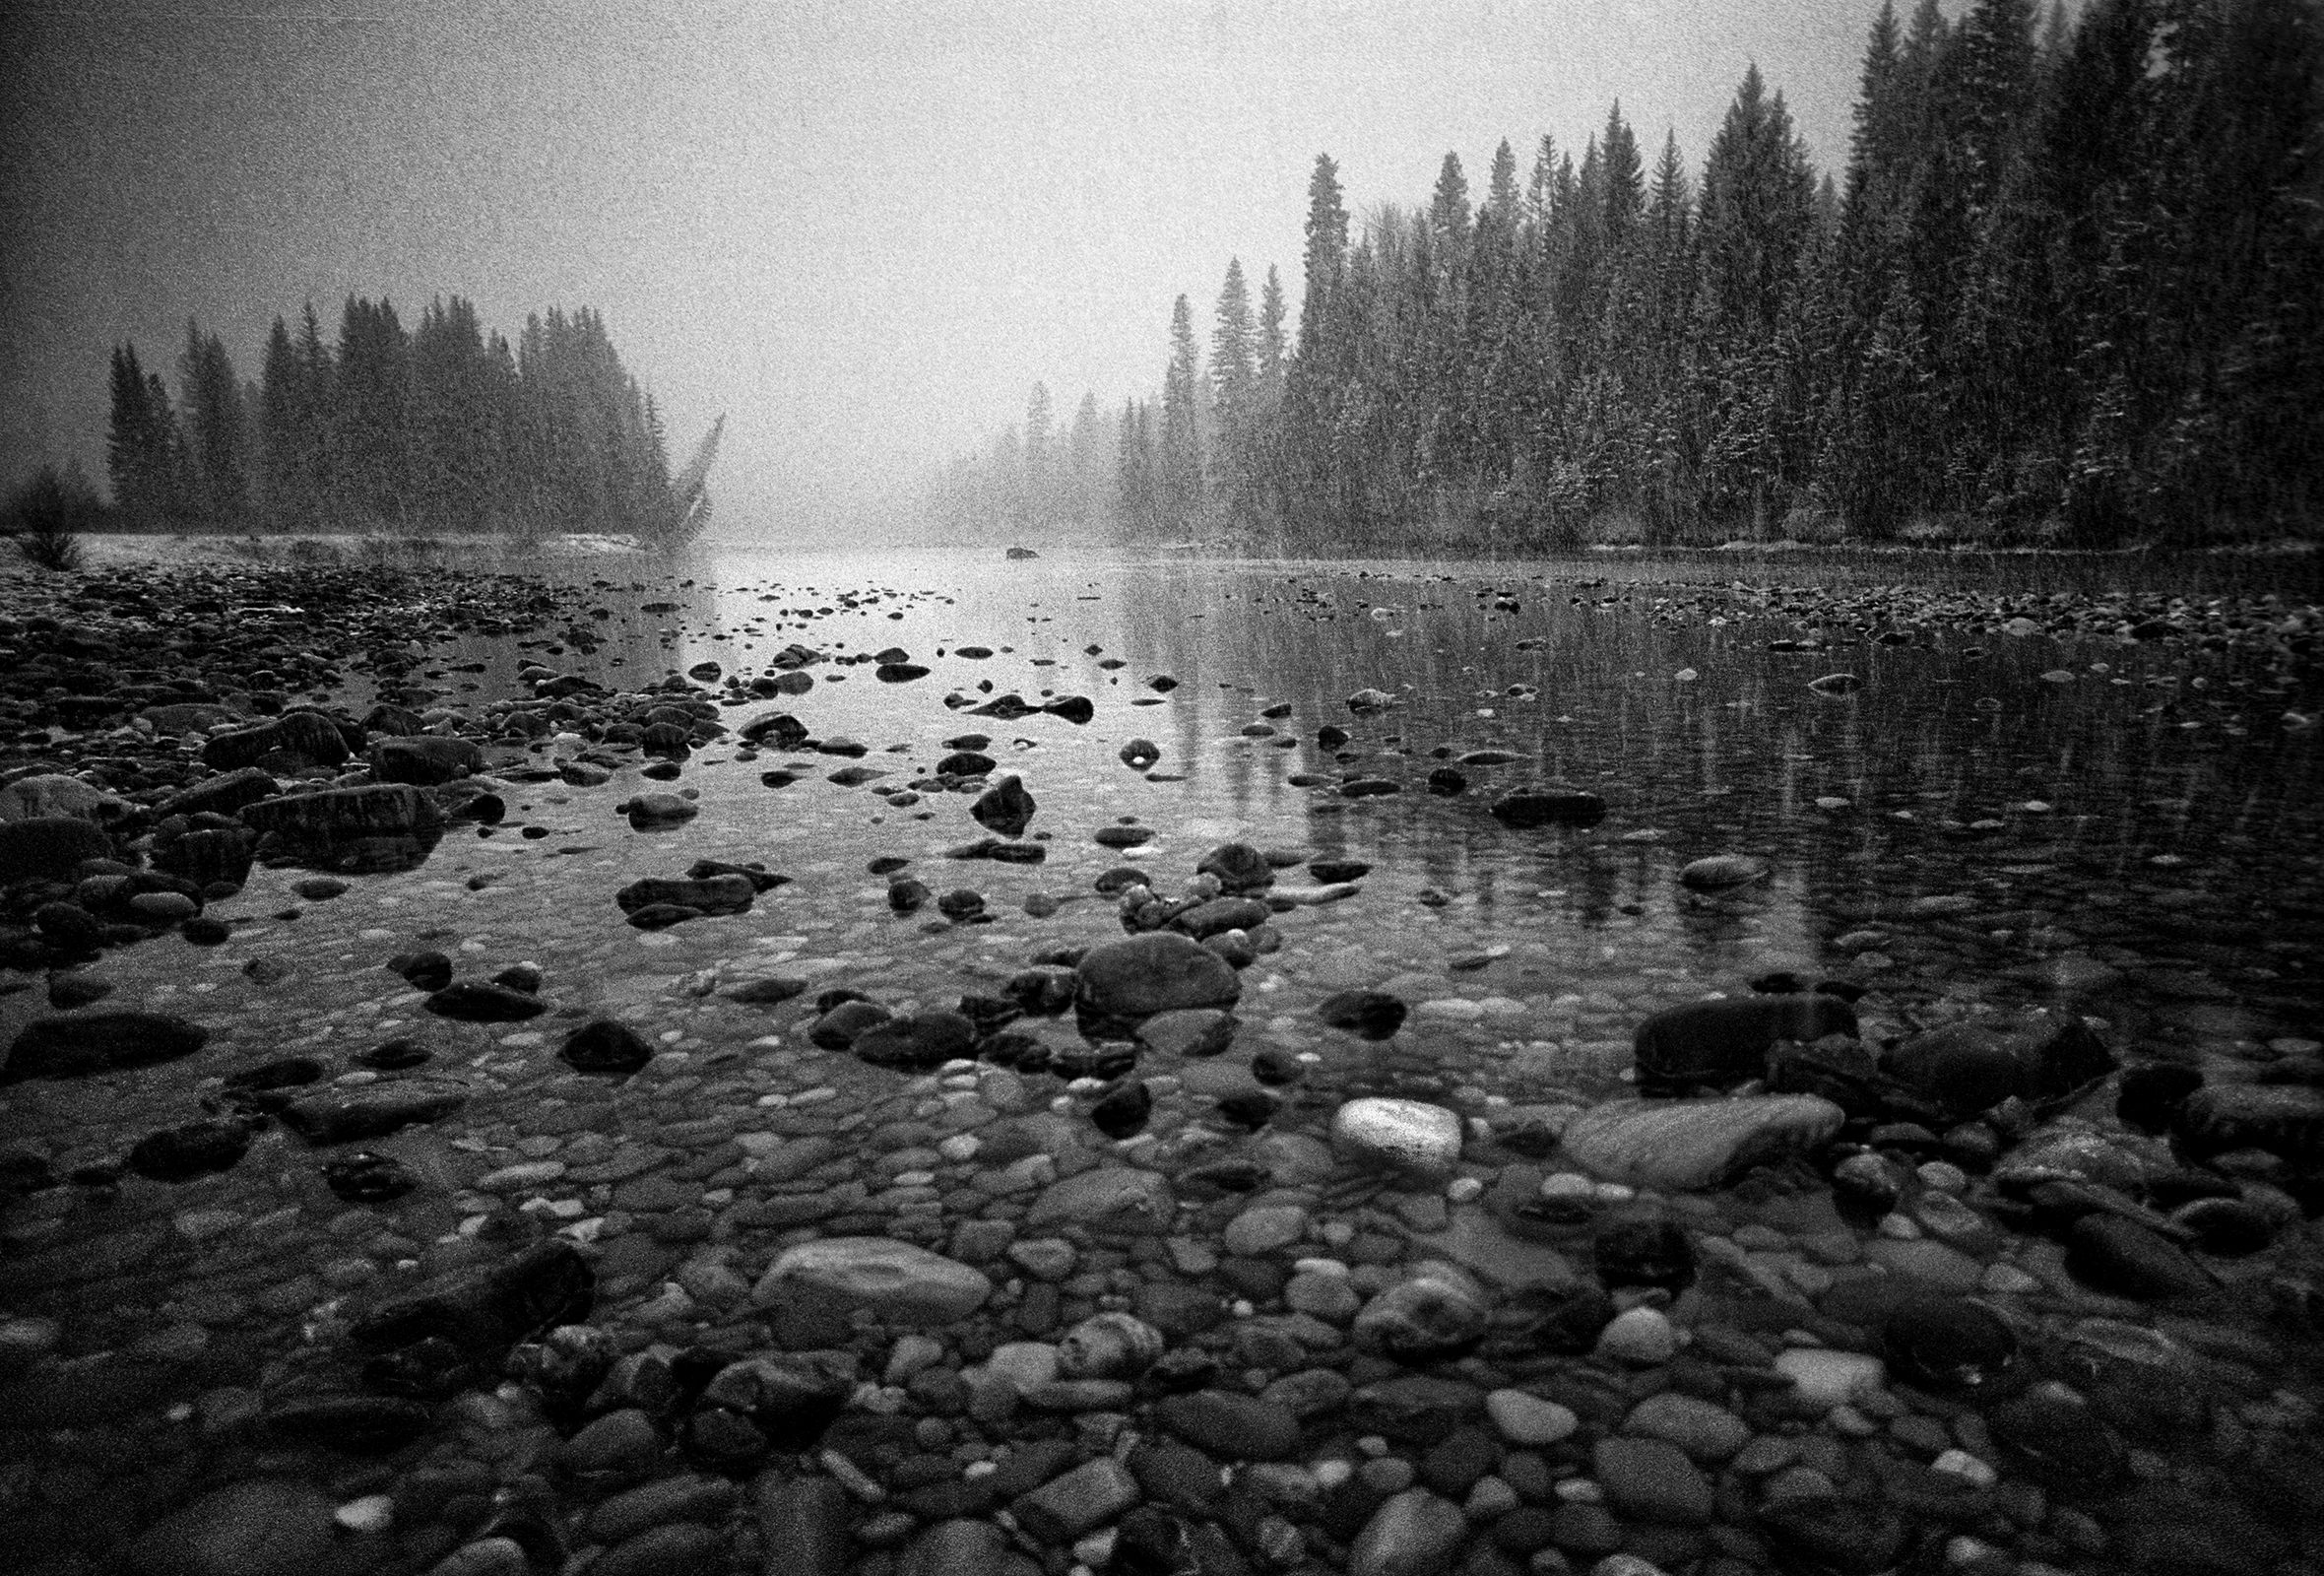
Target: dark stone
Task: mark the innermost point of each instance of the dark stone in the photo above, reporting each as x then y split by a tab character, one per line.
1643	1253
606	1045
2149	1097
713	894
1414	1409
1123	1110
661	916
1724	1043
344	812
69	927
1453	1464
2228	1227
962	906
424	759
433	1370
767	992
1331	872
2054	1437
393	1056
918	1043
479	1308
1551	804
1368	1014
1220	915
45	847
477	1002
305	738
1239	866
100	1042
1075	709
1005	807
424	971
223	795
1948	1345
372	1110
1825	1532
368	1178
66	992
1142	975
1539	1320
1152	1542
197	1148
789	1397
2125	1257
1236	1427
366	1426
2286	1119
1975	1065
842	1023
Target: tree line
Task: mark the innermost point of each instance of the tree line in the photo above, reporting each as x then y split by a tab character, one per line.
437	428
2068	287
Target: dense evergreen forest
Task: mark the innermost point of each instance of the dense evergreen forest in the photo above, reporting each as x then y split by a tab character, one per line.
2069	288
440	428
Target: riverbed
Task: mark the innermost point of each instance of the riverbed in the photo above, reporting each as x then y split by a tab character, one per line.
1939	794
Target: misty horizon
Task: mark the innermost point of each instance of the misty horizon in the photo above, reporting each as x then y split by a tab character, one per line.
863	232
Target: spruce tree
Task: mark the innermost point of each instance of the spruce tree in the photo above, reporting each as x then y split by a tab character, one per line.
1182	424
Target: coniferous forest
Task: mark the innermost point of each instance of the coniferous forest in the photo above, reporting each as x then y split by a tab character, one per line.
438	428
2068	288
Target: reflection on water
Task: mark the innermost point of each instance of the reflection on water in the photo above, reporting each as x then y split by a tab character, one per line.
2139	799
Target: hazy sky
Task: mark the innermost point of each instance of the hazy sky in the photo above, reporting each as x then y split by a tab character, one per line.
862	228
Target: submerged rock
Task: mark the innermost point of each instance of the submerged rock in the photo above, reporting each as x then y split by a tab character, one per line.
903	1283
1158	972
606	1045
2286	1119
1368	1014
101	1043
1722	873
1972	1066
918	1043
1724	1042
1005	807
372	1110
1550	805
1688	1144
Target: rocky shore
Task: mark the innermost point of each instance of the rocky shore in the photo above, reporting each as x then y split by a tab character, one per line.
1124	1255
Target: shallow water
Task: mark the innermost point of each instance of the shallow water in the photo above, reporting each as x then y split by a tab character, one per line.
2130	831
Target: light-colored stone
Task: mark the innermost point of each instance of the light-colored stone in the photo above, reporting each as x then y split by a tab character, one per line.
1830	1378
1679	1146
905	1283
1403	1135
1116	1196
52	793
1643	1335
1528	1420
1414	1534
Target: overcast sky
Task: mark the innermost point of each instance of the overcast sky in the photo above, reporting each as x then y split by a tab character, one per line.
863	229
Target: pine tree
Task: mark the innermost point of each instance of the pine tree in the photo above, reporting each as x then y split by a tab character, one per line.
144	458
216	430
1181	480
1327	246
